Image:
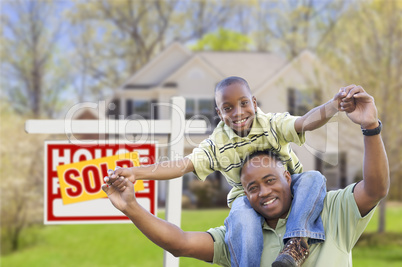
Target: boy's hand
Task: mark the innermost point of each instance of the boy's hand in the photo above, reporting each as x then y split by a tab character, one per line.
345	101
127	173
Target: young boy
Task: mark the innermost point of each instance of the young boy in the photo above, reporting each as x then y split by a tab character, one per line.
243	129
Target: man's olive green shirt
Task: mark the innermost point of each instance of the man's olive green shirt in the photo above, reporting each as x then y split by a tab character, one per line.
343	226
224	150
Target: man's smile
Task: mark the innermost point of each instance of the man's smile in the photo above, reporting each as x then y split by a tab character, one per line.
269	201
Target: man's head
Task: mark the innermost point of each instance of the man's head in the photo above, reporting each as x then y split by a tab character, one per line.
266	183
235	104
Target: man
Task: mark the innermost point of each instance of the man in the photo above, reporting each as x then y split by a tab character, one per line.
267	186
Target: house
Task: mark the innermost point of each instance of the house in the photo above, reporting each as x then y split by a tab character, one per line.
278	84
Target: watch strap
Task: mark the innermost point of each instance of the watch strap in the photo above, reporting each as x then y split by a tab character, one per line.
375	131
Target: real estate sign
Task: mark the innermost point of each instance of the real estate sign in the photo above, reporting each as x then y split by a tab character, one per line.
74	176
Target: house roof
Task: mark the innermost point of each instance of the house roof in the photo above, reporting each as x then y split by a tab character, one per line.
256	68
161	66
280	72
196	59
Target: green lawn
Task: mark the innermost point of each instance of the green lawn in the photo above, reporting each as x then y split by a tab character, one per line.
375	250
104	245
124	245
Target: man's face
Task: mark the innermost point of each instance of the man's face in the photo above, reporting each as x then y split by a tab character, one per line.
236	107
267	187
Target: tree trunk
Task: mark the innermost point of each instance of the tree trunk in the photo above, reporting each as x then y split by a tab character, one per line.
381	216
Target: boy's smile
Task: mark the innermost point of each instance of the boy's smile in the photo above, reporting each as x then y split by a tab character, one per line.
236	107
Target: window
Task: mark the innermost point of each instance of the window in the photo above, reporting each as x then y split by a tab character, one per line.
334	167
142	109
207	109
190	108
202	109
302	101
113	109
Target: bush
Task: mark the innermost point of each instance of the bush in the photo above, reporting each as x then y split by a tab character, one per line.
380	239
21	183
207	193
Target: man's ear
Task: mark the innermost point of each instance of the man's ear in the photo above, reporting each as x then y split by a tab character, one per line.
243	185
254	103
288	177
244	189
219	113
247	196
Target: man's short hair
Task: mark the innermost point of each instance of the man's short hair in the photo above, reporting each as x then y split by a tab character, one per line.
269	153
231	80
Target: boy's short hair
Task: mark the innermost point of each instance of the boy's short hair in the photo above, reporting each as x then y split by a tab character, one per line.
231	80
269	153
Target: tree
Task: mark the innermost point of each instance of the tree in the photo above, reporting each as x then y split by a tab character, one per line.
114	39
21	178
289	27
365	48
223	40
32	73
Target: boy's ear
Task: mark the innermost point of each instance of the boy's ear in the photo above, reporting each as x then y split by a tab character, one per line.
219	113
255	103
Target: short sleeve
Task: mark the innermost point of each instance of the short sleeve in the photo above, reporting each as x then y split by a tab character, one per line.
284	126
221	251
204	159
344	215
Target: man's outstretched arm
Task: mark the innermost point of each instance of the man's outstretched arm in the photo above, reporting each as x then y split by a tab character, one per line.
168	236
376	182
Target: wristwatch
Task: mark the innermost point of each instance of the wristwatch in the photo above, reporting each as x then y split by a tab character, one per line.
375	131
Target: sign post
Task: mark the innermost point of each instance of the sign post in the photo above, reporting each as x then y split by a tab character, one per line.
175	128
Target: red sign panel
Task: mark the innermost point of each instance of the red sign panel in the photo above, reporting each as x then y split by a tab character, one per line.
97	210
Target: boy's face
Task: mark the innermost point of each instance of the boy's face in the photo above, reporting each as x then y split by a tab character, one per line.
236	107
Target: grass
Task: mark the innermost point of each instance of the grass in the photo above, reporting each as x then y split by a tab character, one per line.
381	250
104	245
124	245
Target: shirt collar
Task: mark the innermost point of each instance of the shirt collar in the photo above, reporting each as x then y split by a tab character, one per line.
281	223
257	128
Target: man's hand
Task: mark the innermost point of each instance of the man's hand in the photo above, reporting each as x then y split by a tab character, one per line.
343	103
127	173
120	193
376	182
365	113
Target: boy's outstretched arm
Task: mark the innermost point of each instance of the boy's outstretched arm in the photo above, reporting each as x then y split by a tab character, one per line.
199	245
164	170
320	115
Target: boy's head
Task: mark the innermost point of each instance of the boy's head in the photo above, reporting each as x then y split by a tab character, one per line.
235	105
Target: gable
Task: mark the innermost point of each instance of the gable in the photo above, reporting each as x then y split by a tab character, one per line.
195	77
255	67
302	71
160	67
